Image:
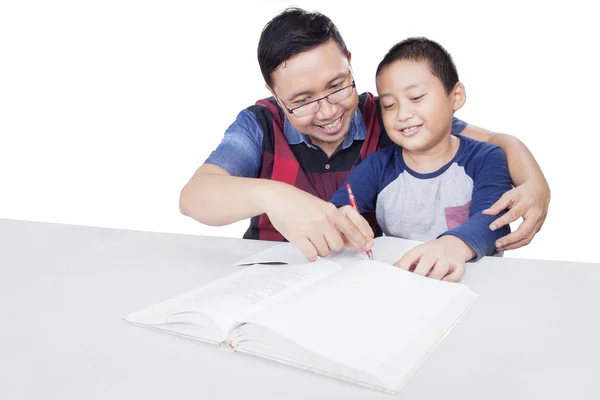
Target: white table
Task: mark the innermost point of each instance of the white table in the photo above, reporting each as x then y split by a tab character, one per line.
533	334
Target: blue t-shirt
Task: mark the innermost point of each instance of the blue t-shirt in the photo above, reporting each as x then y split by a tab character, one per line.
448	201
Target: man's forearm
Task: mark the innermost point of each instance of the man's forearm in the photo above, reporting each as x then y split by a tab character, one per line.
521	163
215	199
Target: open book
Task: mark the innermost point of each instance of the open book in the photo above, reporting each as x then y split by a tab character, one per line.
347	317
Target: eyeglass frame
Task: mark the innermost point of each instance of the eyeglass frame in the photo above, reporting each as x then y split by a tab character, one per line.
291	110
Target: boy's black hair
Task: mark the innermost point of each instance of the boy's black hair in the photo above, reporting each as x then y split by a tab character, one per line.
440	61
292	32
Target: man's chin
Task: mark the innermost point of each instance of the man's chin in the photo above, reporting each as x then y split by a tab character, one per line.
329	139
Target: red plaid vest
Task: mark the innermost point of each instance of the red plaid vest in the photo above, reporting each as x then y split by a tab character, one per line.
306	168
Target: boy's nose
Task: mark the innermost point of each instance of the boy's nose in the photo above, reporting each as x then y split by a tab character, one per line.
405	113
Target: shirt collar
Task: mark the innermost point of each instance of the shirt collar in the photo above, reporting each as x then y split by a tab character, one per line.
357	131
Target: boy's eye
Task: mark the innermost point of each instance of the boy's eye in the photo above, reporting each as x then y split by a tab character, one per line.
417	98
388	106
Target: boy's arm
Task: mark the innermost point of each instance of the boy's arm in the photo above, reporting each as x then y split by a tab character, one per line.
445	256
364	180
490	182
529	199
226	189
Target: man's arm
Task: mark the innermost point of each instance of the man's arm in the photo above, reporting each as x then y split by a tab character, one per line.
214	197
529	199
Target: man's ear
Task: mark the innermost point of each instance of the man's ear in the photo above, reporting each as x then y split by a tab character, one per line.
270	90
458	96
283	107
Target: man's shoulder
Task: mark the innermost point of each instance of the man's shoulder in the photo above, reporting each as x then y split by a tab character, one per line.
264	106
475	148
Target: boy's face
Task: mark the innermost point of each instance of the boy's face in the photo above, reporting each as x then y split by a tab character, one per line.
417	111
311	75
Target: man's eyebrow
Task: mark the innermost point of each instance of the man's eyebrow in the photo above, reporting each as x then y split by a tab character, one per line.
308	92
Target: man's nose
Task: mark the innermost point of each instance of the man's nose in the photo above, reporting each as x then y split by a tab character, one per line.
326	110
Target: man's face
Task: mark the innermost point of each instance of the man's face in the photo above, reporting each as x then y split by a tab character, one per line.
309	76
417	111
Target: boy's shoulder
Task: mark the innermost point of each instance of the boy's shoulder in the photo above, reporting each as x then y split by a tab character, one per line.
385	155
476	155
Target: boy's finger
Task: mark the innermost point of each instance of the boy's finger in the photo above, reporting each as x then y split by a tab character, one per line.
454	276
426	263
408	259
439	270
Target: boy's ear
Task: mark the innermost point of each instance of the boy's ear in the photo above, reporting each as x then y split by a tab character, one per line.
459	96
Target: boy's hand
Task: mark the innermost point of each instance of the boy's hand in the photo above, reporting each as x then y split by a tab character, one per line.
442	258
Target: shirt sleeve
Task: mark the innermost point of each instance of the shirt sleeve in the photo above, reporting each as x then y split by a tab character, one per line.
240	150
364	180
458	126
490	183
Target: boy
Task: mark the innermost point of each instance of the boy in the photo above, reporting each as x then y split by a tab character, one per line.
431	185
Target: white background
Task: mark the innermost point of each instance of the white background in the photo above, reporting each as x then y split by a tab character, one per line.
108	107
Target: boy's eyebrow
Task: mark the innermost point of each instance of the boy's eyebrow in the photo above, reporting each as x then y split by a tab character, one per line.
305	92
404	89
413	86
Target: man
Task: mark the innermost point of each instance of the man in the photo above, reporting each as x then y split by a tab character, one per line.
281	160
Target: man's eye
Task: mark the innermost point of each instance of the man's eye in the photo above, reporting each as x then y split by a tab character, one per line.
301	101
337	85
417	98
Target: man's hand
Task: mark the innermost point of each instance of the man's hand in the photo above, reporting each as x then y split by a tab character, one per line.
530	201
363	226
442	258
315	226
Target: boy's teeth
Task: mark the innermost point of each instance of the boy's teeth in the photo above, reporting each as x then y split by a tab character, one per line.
333	124
407	130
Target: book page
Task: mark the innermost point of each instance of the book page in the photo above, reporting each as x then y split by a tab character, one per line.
386	249
389	249
370	317
218	305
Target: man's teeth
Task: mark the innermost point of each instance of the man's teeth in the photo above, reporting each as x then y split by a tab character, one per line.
411	129
332	125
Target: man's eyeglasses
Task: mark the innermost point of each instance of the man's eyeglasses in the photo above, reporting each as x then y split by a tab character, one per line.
313	106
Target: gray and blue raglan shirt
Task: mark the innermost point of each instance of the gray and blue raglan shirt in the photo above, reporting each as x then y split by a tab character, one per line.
449	201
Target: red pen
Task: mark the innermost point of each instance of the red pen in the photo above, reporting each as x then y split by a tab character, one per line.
353	204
